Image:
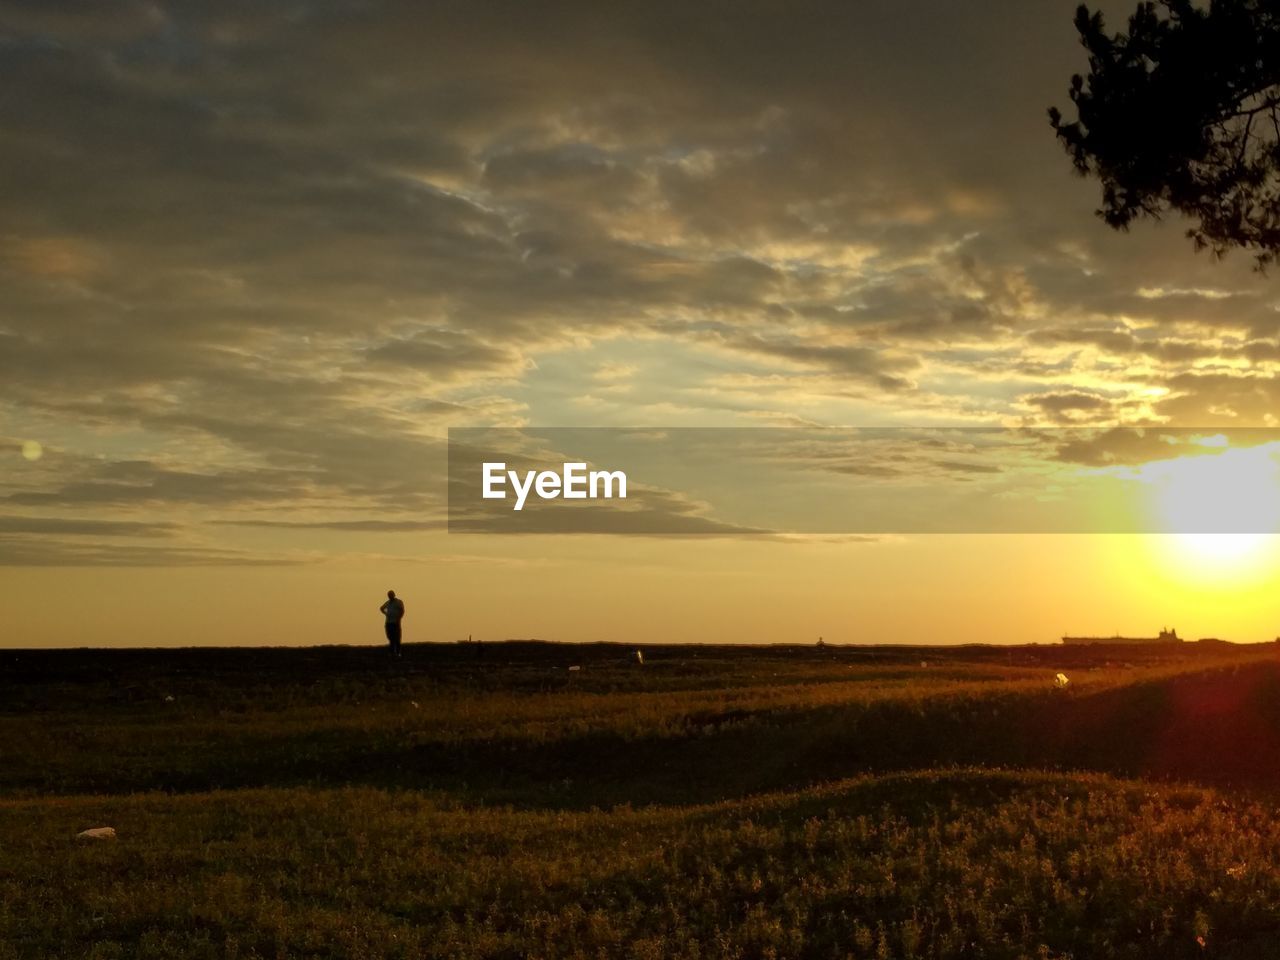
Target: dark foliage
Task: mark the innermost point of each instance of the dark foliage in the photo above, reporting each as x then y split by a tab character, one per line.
1182	112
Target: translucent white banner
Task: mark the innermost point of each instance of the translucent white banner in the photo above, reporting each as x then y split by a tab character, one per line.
864	480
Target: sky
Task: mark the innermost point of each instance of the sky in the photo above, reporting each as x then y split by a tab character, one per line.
256	261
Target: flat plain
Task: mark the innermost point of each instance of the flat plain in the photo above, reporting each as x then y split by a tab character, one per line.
714	801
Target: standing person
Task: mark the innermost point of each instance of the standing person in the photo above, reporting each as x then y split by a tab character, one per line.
393	610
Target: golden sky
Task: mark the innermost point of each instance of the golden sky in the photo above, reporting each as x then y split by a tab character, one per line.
258	259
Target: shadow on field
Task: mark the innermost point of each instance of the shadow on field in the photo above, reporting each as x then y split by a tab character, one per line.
1219	727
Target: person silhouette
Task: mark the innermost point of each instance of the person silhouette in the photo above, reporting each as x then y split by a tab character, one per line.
393	610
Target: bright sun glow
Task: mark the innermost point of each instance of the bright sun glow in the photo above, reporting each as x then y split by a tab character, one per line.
1223	507
1227	552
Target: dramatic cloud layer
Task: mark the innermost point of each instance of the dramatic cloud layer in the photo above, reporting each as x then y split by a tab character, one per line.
259	257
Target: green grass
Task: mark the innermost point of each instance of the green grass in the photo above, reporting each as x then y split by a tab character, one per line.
963	863
776	803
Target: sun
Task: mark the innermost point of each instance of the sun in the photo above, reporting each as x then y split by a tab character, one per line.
1223	553
1219	491
1221	506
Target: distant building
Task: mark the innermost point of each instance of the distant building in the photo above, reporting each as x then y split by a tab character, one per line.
1165	636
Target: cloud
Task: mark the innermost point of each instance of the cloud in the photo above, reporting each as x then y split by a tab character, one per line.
133	483
882	367
44	552
1131	446
354	526
1234	398
262	258
446	354
1067	406
646	520
80	527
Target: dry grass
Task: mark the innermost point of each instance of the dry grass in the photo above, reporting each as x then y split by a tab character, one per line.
332	807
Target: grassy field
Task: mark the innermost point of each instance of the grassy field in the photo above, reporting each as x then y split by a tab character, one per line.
714	802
